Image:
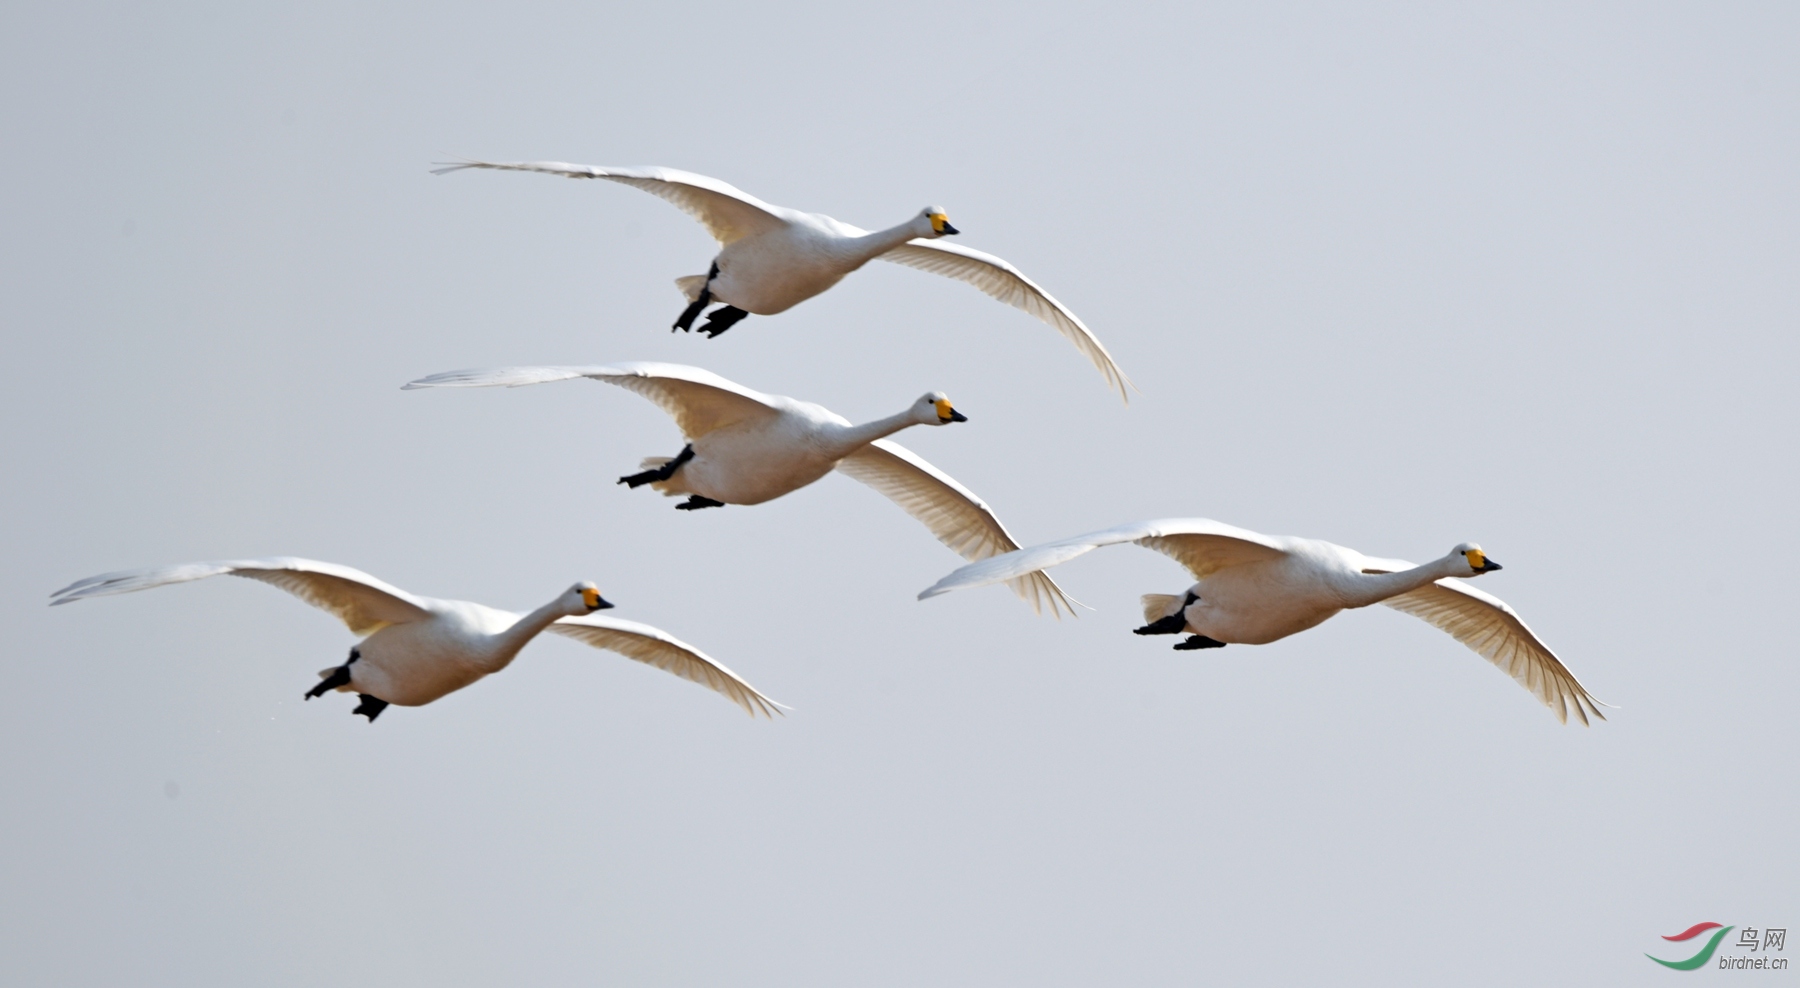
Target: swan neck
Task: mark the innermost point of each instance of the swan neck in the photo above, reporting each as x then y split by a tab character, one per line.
525	629
1373	588
873	245
855	437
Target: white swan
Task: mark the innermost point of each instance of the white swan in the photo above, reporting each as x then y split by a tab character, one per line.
773	258
416	649
746	448
1252	589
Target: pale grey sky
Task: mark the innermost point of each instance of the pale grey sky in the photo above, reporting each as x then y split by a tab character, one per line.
1396	278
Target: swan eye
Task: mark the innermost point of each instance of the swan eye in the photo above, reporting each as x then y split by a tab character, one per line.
1475	558
591	597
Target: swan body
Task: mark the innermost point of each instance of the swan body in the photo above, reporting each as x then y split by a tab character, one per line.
772	258
1253	589
417	649
745	447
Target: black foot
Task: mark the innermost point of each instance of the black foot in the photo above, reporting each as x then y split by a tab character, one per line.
1197	641
663	472
685	321
695	502
371	708
338	677
1174	624
722	319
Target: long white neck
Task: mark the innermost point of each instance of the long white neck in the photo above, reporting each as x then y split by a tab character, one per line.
849	439
508	643
1373	588
869	246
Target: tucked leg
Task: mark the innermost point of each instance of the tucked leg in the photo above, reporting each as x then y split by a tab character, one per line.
337	677
663	472
695	502
371	707
722	319
1198	641
685	321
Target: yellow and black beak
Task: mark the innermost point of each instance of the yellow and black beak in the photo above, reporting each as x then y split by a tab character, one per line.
594	601
940	224
947	414
1480	563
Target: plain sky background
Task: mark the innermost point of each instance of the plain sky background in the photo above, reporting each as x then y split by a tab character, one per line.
1395	277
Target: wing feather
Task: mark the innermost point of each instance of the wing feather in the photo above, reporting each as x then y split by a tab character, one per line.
1494	631
727	212
958	518
1202	545
698	400
1008	284
364	603
655	647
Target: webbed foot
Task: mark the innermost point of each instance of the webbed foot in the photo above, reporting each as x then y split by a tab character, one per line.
336	678
1198	641
372	707
723	319
695	502
685	321
663	472
1174	624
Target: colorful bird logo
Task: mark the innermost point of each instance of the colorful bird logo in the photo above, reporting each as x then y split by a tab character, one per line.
1705	953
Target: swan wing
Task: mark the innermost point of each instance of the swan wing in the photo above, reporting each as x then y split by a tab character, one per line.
1487	625
728	213
1008	284
699	400
954	514
363	603
655	647
1202	545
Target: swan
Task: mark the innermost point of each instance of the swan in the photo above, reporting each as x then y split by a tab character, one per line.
1253	589
744	447
416	649
772	258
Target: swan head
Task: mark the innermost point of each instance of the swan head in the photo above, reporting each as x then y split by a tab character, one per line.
586	599
940	223
935	409
1475	559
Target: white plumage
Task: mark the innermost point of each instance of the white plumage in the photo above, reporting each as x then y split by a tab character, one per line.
773	258
746	448
1253	589
417	649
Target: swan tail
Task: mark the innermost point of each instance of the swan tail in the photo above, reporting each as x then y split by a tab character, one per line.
691	285
1160	605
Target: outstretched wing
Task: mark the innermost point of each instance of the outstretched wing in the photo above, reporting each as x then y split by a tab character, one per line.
1202	545
954	514
699	400
363	603
728	213
1487	625
658	648
1008	284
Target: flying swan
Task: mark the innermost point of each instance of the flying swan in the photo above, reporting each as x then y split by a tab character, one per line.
1252	589
745	447
416	649
773	258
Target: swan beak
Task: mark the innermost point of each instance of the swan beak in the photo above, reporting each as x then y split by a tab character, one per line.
940	224
1489	566
947	414
594	601
956	416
